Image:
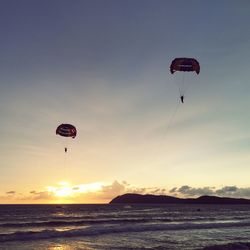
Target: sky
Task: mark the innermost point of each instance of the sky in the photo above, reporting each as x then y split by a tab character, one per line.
103	66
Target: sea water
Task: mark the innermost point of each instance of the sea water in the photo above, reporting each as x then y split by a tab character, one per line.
174	227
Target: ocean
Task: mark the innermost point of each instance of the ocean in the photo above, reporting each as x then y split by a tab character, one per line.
156	227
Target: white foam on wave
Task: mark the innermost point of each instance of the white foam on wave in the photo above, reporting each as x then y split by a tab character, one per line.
109	229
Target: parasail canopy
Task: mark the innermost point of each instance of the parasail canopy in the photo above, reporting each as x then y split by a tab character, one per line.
66	130
185	64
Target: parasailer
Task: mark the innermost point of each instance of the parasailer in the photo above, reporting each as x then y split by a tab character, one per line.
182	98
183	65
66	130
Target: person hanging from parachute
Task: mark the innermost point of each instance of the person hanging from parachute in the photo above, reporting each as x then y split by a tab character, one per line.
66	130
184	65
182	98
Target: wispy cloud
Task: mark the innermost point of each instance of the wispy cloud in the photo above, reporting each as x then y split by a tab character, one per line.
42	195
11	192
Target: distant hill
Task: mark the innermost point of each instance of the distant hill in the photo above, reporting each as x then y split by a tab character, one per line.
164	199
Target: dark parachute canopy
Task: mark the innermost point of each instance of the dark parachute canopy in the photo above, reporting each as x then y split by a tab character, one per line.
66	130
185	64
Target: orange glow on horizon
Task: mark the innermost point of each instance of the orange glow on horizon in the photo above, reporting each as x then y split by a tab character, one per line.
64	192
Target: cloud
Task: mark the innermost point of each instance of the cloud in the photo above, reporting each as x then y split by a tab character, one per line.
108	192
11	192
233	191
82	193
43	195
226	191
95	192
173	190
103	193
113	190
190	191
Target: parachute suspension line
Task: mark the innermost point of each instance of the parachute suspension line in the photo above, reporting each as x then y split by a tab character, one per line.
171	118
180	82
182	85
187	85
165	132
66	158
180	92
64	164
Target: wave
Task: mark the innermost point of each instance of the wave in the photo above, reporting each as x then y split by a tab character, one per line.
229	246
101	230
84	222
79	222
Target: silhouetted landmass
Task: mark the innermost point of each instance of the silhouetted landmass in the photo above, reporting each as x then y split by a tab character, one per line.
164	199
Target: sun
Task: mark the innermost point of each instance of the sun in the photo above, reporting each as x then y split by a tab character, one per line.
65	190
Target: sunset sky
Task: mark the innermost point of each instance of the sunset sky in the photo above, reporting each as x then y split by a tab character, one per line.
103	66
